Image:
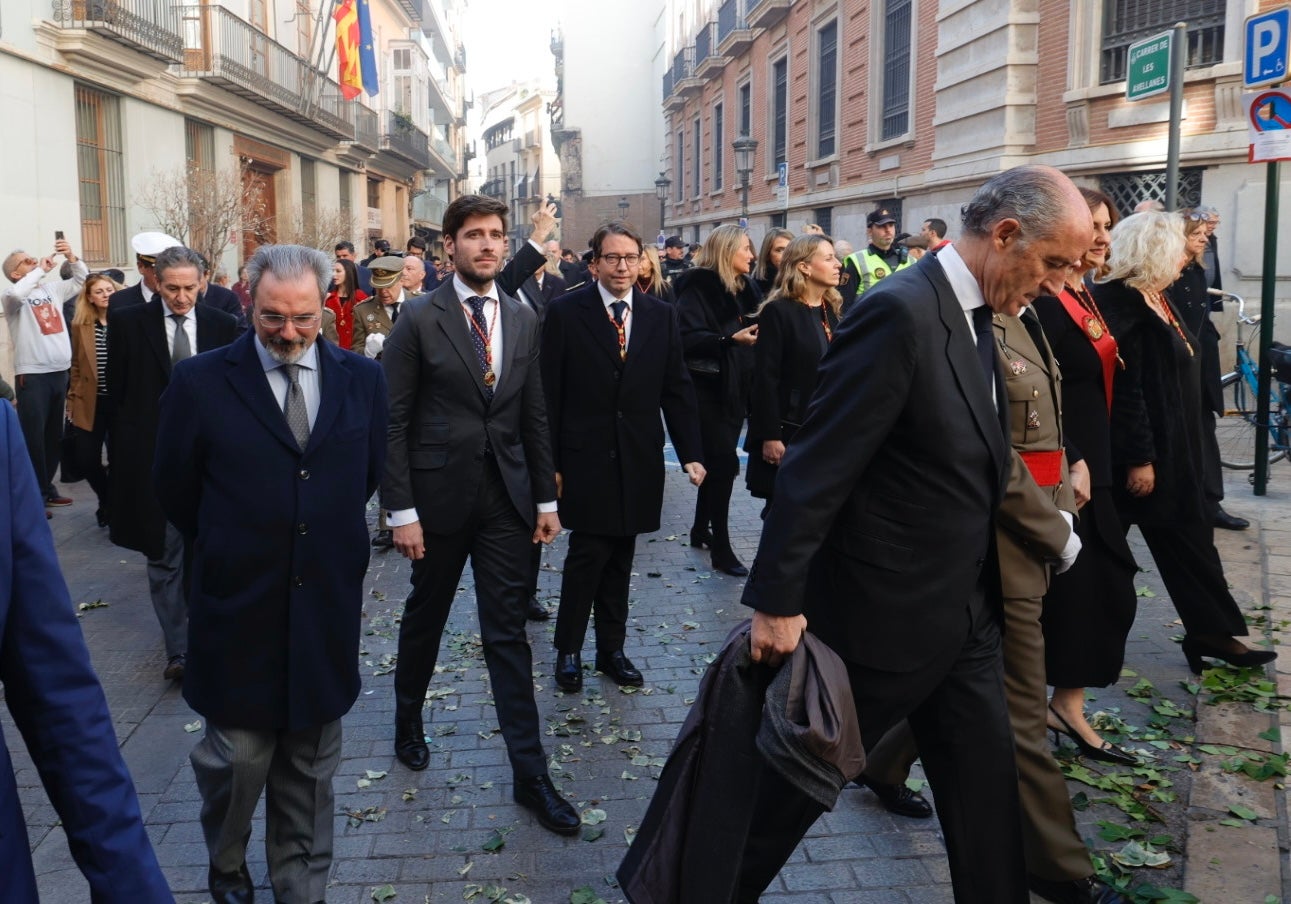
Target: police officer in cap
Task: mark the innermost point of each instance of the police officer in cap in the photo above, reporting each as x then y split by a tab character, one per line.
146	245
876	260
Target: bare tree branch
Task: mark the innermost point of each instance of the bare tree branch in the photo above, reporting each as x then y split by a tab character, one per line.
203	208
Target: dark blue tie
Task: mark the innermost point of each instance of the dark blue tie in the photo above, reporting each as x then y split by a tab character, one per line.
619	307
985	344
479	335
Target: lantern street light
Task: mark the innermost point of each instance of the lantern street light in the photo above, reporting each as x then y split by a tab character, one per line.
661	186
623	207
744	148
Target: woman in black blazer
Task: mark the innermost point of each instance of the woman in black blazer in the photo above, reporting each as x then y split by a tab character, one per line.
1156	436
714	298
795	326
1089	608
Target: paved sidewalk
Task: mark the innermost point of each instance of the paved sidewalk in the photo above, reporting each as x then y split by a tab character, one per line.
451	833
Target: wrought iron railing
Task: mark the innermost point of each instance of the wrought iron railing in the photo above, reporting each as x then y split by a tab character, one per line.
683	64
730	17
429	208
403	138
367	127
705	46
667	84
149	26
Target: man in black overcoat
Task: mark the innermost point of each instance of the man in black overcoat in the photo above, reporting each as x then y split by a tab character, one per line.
611	359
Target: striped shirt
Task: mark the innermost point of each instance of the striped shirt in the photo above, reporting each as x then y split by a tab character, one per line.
101	355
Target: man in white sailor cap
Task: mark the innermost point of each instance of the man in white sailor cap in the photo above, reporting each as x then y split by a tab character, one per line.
146	245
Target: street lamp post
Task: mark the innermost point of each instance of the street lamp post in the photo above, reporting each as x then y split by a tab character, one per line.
661	186
744	148
623	207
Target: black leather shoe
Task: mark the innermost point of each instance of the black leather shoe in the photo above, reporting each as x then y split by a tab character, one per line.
569	672
1088	890
1229	522
410	743
700	538
230	888
898	799
724	560
619	668
383	540
536	611
539	796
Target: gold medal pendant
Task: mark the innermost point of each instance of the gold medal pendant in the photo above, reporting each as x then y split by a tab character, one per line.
1094	328
490	378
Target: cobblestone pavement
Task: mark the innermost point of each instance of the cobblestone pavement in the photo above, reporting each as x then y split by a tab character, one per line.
451	833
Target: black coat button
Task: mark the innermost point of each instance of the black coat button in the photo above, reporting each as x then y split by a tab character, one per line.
298	581
302	528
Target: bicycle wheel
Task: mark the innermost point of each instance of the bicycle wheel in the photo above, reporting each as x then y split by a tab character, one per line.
1235	429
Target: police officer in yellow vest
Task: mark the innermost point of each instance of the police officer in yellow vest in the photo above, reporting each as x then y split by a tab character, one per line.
879	258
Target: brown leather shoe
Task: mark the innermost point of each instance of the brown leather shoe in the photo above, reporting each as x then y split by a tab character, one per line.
175	668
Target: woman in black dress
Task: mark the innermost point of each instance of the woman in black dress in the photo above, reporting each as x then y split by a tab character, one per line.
714	298
1156	436
795	326
1089	608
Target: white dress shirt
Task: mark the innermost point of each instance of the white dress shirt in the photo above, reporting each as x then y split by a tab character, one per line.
607	299
307	376
190	327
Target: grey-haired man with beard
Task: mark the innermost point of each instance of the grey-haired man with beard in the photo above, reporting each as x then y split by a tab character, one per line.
267	454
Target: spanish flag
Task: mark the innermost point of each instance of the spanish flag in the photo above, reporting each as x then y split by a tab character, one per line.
347	49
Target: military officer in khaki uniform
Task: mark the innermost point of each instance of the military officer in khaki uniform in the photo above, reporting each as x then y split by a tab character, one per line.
374	318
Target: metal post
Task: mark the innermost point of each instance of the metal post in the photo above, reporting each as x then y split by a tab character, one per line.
1268	285
1178	50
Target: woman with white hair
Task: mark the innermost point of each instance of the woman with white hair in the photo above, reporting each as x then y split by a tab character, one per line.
1156	436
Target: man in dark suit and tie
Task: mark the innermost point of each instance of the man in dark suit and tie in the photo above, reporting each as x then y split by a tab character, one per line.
146	245
904	454
469	474
611	359
147	340
56	702
267	453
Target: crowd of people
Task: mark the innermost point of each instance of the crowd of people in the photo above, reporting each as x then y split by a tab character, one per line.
896	399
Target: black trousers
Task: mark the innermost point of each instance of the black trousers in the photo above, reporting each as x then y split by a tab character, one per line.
497	541
89	451
719	434
1212	472
1185	554
41	400
956	709
598	572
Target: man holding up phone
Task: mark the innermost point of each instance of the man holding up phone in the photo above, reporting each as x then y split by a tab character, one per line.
42	354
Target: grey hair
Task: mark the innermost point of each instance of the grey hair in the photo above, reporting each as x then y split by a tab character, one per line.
1146	250
11	261
1029	194
289	262
179	256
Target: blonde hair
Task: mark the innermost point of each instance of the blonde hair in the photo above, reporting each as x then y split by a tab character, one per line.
1146	250
718	252
1193	221
651	254
766	269
791	283
85	312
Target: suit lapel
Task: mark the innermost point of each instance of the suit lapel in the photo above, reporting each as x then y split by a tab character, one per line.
598	325
961	353
333	382
644	325
1011	331
247	377
155	330
508	317
453	324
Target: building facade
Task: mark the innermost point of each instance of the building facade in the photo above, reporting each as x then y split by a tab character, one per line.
520	165
116	99
911	104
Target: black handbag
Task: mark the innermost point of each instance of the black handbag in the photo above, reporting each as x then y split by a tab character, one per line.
69	469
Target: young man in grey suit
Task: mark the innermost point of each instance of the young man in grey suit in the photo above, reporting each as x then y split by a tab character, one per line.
469	474
912	376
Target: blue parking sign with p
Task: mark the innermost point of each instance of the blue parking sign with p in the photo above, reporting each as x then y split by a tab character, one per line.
1265	57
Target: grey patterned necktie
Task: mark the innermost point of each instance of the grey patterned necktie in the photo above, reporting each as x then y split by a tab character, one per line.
295	410
181	349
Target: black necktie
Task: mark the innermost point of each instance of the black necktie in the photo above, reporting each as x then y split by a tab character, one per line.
985	344
394	313
618	307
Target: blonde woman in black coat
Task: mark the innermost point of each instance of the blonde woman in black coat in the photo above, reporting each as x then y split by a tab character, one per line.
714	300
795	326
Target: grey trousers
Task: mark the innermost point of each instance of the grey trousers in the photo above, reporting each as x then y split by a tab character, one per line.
294	769
166	585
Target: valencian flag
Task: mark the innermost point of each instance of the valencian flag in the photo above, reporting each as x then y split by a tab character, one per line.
354	49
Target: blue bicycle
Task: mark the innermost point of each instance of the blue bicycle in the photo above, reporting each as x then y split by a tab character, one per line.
1235	429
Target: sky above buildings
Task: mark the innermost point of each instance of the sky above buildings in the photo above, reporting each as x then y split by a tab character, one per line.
506	41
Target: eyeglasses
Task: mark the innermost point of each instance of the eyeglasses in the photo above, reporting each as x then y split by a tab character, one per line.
615	259
299	321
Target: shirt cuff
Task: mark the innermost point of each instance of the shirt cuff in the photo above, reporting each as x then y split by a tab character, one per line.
546	508
541	250
401	517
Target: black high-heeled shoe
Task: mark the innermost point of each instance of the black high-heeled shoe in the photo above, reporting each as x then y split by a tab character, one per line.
700	538
1108	753
1194	649
724	560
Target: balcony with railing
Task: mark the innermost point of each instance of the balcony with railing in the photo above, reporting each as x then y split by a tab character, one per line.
367	127
427	208
683	72
225	50
405	140
667	84
765	13
733	33
152	27
708	60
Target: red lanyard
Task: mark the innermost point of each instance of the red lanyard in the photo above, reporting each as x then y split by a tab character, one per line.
489	376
